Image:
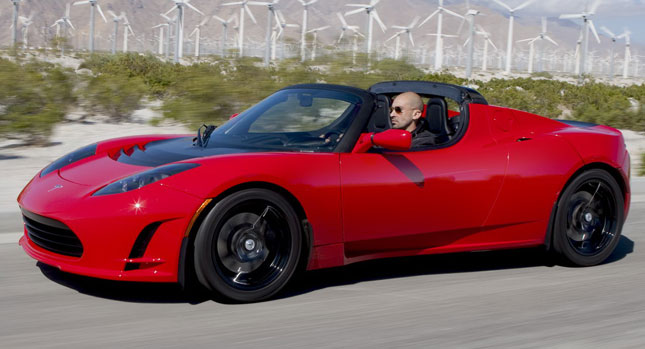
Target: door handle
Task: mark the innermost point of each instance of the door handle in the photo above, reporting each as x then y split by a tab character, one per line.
522	139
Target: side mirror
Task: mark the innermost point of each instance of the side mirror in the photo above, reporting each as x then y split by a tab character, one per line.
234	115
393	139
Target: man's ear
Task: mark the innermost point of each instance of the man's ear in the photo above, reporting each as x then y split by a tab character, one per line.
416	115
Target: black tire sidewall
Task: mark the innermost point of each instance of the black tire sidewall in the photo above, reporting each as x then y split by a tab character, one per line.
561	244
209	230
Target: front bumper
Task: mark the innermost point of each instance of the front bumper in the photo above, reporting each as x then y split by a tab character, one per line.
133	236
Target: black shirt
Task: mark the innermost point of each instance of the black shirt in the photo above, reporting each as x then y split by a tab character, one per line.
422	137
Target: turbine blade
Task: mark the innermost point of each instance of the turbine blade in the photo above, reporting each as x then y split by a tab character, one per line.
452	13
593	30
393	36
172	9
609	32
523	5
70	23
194	8
492	44
551	40
352	12
544	24
111	13
503	5
219	19
342	19
101	13
81	2
570	16
429	17
594	6
248	11
340	38
410	38
378	20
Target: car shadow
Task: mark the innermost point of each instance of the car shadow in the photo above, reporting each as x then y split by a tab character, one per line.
435	264
311	281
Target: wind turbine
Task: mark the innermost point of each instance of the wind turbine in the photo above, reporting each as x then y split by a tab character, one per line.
271	6
611	51
587	23
225	24
116	19
315	32
127	30
372	15
628	54
197	33
26	22
179	30
303	41
487	41
438	59
64	21
161	27
282	25
14	22
542	36
509	42
93	4
470	17
404	30
243	8
345	26
170	22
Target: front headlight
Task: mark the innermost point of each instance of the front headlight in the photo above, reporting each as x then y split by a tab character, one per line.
72	157
144	178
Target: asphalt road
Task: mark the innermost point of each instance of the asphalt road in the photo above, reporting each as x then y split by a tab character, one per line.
488	299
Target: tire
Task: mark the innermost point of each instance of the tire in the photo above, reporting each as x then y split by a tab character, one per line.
589	219
248	246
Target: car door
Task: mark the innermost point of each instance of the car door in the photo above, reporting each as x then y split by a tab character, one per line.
417	200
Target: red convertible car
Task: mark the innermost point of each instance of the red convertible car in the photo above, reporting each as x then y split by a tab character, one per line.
314	177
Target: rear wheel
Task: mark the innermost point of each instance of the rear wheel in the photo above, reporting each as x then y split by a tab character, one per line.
589	219
248	247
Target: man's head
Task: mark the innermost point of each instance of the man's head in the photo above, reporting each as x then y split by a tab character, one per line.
406	111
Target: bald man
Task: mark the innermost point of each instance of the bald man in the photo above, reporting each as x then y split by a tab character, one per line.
405	113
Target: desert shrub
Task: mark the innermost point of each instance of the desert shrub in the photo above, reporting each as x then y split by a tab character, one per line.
115	95
34	96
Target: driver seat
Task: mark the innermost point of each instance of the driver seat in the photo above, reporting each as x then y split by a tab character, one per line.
437	118
380	120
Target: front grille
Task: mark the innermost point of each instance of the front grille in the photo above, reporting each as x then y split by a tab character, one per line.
52	235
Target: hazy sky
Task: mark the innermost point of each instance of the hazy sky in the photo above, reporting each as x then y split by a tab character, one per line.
614	14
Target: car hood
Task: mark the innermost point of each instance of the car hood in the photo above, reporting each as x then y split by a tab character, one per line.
127	160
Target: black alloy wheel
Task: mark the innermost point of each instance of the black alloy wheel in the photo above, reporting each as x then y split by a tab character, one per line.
589	219
249	245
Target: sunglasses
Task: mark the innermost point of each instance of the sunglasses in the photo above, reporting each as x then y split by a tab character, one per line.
397	110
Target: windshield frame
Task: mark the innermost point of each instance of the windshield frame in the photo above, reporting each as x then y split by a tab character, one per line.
358	111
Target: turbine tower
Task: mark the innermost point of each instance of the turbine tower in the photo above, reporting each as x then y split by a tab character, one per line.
487	40
587	23
14	22
628	54
372	15
225	24
315	41
509	42
26	22
303	32
345	26
116	19
161	35
64	21
127	30
404	30
93	4
438	58
197	32
542	36
179	29
243	8
470	17
611	50
271	7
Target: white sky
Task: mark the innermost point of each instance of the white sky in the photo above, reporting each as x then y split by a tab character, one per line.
614	14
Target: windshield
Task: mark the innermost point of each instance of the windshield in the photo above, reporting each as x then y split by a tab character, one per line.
291	120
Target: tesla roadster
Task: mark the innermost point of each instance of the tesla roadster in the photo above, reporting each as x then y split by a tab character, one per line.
314	176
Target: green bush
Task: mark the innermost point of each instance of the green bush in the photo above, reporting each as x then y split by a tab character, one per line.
115	95
34	96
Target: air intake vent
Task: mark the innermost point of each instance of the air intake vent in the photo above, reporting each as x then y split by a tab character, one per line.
52	235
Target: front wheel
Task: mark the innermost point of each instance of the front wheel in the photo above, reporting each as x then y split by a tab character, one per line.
589	219
248	246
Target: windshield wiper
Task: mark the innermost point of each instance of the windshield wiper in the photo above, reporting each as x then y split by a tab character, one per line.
202	138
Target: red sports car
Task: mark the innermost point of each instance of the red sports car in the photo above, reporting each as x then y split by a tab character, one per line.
314	176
